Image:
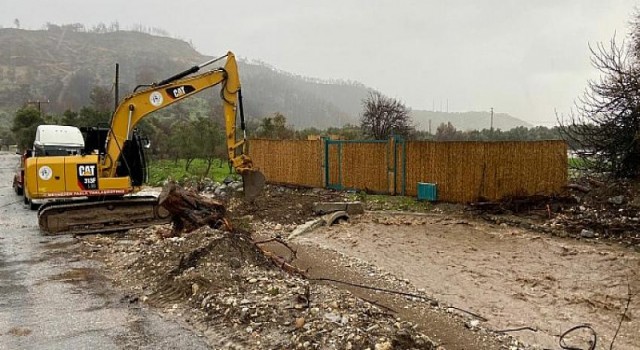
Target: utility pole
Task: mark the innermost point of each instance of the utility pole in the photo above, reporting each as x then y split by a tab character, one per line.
491	119
116	87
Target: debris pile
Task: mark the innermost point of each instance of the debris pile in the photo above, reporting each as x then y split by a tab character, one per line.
280	205
227	286
541	204
588	209
190	211
603	210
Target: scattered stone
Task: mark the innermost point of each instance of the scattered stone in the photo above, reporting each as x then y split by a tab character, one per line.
587	233
235	263
221	283
617	200
385	345
473	324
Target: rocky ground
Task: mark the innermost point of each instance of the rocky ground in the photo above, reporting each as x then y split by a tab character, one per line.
223	283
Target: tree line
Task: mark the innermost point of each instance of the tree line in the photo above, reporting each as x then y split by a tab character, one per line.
383	117
174	133
444	132
194	128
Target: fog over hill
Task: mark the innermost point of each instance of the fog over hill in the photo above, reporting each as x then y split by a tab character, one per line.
466	120
61	65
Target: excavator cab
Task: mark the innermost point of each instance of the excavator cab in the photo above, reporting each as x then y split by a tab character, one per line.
132	162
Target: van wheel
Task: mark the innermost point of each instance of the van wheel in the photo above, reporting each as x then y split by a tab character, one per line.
32	205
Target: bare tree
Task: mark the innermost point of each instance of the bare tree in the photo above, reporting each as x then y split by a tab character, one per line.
605	126
384	116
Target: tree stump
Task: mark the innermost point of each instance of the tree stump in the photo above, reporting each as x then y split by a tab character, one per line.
189	210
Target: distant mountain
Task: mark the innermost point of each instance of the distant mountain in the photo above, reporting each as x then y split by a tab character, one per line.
466	120
62	65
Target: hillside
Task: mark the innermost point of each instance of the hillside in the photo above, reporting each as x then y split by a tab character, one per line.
63	65
466	120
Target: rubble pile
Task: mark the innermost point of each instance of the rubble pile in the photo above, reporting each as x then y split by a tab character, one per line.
603	211
589	209
228	286
281	205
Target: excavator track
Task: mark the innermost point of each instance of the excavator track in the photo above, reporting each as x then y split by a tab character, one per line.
101	217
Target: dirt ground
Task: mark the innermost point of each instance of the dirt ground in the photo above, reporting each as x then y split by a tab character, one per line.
510	276
458	280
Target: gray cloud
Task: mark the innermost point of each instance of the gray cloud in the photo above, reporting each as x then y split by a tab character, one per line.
520	57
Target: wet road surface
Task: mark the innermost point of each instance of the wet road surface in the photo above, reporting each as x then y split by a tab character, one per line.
49	300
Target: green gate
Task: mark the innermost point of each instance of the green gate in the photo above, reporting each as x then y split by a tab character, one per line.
374	166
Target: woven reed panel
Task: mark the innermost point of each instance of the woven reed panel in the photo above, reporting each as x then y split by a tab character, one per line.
467	171
364	166
296	162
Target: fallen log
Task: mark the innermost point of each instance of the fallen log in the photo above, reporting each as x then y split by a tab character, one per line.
190	210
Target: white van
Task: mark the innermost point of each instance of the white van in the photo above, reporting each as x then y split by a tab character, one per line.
57	140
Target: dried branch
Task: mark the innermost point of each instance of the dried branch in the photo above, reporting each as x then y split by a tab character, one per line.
279	240
604	128
624	314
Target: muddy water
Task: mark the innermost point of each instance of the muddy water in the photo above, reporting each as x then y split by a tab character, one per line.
49	300
512	277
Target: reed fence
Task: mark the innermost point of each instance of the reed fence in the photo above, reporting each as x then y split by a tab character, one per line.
463	171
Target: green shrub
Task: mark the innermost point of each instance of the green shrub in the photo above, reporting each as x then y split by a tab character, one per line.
161	170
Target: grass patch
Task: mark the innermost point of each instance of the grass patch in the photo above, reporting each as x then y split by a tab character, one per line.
396	203
161	170
578	163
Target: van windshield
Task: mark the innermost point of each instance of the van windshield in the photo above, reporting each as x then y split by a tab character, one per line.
57	151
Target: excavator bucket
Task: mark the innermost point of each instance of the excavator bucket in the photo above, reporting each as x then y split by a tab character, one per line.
253	181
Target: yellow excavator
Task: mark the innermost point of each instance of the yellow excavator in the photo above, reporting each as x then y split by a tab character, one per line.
110	166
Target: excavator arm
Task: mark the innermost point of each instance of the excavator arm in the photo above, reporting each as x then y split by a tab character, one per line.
169	91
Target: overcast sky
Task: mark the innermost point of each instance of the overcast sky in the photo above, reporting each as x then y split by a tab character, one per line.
525	58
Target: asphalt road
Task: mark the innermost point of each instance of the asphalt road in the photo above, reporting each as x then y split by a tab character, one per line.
49	300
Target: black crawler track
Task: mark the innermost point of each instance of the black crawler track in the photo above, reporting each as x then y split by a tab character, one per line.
101	216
